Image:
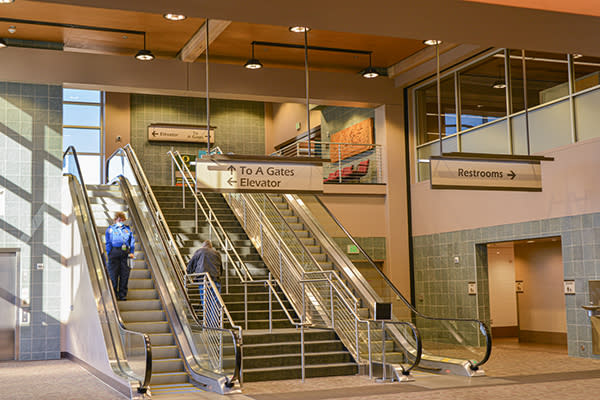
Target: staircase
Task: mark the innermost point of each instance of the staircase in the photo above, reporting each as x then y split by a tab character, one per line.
267	356
143	310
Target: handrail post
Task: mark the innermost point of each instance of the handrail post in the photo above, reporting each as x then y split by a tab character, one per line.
270	306
227	266
246	304
383	351
357	340
331	301
302	329
172	169
183	192
340	163
369	350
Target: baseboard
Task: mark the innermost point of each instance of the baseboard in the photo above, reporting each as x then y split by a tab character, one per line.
505	331
559	338
120	387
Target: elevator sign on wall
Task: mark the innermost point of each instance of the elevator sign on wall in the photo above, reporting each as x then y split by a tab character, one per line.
258	176
179	133
478	174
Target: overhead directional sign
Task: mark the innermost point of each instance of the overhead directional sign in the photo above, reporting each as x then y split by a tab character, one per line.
258	176
480	174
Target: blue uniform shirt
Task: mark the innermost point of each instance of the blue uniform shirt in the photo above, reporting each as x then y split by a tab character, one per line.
117	236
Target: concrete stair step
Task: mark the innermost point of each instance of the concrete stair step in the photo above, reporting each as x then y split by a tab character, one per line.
279	348
286	360
292	372
288	335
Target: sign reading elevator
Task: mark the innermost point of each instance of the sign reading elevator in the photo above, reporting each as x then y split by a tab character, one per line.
247	176
480	174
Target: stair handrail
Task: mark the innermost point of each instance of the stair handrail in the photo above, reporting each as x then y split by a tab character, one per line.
168	241
228	244
179	311
482	326
97	246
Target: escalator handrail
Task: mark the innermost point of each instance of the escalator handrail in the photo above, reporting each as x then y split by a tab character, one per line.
482	326
177	263
124	183
184	170
98	242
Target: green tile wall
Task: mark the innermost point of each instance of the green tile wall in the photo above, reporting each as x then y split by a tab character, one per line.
373	246
441	284
240	128
30	173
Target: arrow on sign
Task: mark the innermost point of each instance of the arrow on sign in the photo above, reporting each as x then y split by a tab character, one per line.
231	181
512	174
231	169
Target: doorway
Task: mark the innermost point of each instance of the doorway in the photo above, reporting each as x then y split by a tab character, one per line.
527	300
8	304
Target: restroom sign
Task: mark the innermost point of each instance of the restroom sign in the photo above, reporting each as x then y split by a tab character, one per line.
249	176
482	174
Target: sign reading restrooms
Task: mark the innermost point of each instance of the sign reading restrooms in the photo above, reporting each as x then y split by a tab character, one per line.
179	133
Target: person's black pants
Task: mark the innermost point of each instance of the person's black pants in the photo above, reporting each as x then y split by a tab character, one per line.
118	270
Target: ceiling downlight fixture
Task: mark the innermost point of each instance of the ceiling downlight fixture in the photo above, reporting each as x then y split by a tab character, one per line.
299	29
370	72
253	63
432	42
6	1
144	55
174	17
499	85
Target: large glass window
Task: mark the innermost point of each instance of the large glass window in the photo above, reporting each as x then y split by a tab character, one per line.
82	128
427	110
587	72
482	93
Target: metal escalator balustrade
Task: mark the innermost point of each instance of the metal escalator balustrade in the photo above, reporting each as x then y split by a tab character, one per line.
324	299
212	354
458	345
129	352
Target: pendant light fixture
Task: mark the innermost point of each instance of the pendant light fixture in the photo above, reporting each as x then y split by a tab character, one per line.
370	72
253	63
299	29
144	55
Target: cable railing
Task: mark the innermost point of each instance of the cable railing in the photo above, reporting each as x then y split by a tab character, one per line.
226	244
348	162
204	340
462	341
130	352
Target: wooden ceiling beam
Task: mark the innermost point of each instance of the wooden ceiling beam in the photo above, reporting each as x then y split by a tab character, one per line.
197	43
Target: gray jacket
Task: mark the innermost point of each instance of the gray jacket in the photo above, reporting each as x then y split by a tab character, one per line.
206	259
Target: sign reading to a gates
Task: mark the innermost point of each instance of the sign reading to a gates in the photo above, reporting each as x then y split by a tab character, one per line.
478	174
249	176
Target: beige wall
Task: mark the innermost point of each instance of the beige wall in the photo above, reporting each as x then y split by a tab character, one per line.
570	187
501	274
117	117
361	215
542	304
284	119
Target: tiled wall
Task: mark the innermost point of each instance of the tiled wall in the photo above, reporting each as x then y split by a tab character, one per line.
441	283
373	246
30	174
240	128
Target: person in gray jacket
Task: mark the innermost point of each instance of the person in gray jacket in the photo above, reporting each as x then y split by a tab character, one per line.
206	259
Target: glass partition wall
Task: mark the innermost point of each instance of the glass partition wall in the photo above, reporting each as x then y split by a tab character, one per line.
483	105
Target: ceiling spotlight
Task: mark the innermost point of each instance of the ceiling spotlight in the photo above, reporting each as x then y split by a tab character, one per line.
144	55
174	17
577	55
499	85
432	42
253	63
2	43
6	1
299	29
370	72
12	28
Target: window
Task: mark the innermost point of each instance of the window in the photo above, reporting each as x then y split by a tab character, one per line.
82	128
428	111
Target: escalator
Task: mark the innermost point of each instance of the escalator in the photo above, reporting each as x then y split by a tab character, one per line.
182	355
450	345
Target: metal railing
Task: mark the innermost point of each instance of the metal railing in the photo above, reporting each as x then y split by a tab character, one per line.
349	162
461	341
123	345
232	257
204	340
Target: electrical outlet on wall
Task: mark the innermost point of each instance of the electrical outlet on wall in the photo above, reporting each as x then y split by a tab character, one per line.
472	288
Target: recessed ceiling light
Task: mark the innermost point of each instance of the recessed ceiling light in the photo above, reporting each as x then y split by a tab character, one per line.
299	29
174	17
577	55
531	241
6	1
124	37
432	42
499	85
12	29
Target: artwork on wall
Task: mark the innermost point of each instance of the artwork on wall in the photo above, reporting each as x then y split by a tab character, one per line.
360	133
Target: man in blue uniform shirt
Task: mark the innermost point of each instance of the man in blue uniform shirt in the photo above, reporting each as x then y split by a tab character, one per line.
120	245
